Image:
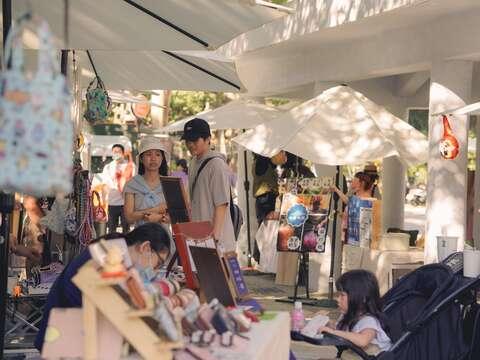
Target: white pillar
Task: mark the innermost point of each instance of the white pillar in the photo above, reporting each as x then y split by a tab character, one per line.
450	87
476	207
393	193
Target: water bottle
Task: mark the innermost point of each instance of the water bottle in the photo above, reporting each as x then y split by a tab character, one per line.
297	317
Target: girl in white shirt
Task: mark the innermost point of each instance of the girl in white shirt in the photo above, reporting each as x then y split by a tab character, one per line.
361	321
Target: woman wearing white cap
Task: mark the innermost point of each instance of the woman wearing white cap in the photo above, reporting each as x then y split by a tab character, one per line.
144	200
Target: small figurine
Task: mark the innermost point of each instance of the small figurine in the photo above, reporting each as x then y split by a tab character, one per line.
113	266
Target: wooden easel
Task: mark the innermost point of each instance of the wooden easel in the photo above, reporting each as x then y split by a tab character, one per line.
99	296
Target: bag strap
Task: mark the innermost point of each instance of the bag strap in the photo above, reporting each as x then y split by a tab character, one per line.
202	165
46	61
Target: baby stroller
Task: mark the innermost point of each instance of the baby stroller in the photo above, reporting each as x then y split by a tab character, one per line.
425	313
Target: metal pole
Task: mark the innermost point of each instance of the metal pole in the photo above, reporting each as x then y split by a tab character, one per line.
334	235
64	62
246	184
6	207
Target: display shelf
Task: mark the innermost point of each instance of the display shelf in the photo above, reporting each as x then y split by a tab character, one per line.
100	298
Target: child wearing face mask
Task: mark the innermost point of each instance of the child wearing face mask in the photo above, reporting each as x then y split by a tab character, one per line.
148	247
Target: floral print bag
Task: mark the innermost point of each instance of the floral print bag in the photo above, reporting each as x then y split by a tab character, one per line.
36	129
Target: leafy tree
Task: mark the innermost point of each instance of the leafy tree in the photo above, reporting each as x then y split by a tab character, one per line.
188	103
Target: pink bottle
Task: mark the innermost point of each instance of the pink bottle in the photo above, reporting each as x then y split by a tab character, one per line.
297	317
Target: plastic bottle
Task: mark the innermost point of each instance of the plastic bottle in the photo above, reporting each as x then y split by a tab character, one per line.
297	317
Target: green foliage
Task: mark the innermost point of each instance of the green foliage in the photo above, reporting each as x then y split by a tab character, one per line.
188	103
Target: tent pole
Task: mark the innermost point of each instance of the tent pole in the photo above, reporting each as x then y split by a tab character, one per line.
166	22
6	207
246	185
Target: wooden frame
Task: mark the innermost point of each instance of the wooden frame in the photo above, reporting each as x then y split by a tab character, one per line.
196	231
176	199
100	296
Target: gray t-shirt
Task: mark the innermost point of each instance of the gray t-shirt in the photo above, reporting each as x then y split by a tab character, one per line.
212	189
381	339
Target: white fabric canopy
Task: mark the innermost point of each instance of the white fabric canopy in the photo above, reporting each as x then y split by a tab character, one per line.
338	127
471	109
117	25
237	114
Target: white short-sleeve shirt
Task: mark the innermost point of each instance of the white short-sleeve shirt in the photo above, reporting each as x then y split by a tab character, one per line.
381	339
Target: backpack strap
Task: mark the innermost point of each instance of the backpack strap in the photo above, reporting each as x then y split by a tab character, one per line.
202	165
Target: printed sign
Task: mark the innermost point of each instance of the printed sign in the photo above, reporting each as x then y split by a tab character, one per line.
363	226
236	275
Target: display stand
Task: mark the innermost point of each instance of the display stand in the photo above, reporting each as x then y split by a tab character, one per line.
303	264
100	296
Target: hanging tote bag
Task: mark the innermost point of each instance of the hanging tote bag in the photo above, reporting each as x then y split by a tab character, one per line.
36	132
98	101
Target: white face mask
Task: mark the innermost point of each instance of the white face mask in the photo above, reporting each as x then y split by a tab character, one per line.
117	156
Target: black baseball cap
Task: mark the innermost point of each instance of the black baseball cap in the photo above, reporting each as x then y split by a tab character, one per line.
195	129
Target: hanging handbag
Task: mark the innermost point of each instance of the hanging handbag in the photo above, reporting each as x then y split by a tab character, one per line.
99	212
98	101
36	133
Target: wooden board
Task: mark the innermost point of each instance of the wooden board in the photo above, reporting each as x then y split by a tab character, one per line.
176	199
287	266
106	300
212	275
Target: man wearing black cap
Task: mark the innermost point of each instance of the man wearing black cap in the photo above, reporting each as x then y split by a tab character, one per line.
209	183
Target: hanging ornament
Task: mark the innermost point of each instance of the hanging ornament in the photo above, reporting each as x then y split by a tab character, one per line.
449	147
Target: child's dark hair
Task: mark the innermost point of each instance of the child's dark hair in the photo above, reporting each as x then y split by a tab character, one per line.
163	170
363	294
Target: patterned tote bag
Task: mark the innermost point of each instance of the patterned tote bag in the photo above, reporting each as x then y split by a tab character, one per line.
36	130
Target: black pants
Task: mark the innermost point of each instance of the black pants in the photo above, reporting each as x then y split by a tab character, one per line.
115	214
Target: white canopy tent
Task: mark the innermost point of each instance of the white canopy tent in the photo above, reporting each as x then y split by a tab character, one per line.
237	114
149	24
132	43
470	109
338	127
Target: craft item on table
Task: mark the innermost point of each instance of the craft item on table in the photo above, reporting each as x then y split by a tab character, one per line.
448	146
315	323
227	339
113	266
243	323
204	318
166	322
98	101
304	222
36	136
250	315
135	292
99	251
222	321
177	274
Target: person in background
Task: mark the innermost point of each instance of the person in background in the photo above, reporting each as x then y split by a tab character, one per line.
144	200
148	247
32	244
233	172
372	171
210	188
181	172
361	186
115	174
265	188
